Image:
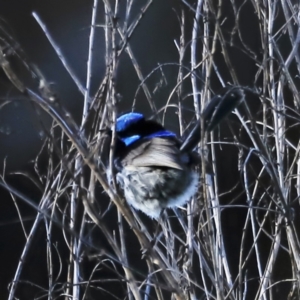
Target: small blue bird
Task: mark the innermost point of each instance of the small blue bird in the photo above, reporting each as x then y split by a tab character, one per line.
153	166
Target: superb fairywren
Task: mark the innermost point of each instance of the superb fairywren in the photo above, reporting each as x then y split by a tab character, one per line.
153	166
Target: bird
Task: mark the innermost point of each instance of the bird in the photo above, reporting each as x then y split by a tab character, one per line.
153	166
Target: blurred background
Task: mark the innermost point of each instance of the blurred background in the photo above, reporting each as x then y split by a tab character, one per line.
68	22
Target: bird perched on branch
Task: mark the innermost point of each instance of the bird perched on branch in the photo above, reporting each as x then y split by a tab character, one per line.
153	166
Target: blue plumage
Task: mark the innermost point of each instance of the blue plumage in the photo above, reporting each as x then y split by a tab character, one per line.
124	121
131	139
125	126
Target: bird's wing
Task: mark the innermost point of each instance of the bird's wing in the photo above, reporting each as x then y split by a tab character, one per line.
159	152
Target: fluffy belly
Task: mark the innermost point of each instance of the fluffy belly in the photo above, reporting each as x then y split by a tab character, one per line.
150	189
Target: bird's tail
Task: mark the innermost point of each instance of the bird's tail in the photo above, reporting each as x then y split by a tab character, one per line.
214	112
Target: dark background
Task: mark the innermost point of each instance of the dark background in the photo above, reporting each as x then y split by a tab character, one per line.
21	129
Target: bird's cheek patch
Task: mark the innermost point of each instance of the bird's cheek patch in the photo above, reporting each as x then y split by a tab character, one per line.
131	139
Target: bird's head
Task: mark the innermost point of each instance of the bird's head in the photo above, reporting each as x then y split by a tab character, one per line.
133	127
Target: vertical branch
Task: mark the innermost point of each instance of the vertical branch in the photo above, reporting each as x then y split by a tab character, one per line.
181	49
219	254
271	261
277	100
195	34
87	95
252	219
207	67
75	244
